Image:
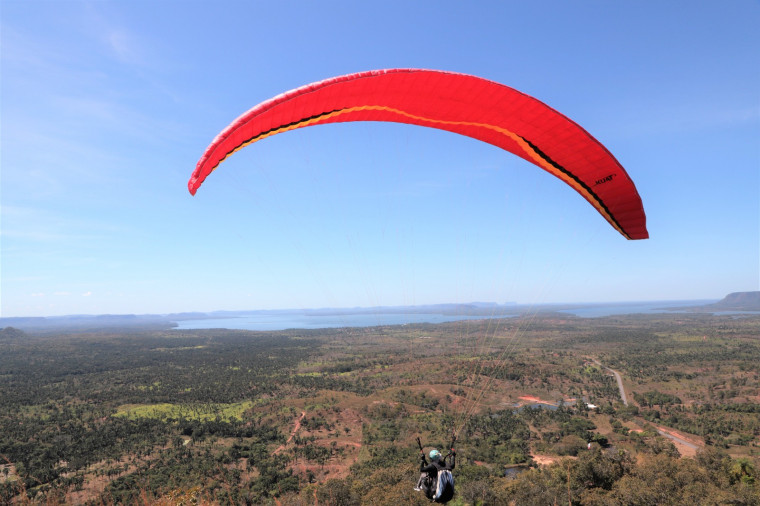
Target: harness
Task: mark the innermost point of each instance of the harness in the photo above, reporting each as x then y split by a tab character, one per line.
444	481
444	489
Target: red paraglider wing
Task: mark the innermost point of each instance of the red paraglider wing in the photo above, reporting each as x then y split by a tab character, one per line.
460	103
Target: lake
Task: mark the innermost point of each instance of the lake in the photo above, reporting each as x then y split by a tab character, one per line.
278	320
312	321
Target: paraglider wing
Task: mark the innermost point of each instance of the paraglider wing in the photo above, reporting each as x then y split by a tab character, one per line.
460	103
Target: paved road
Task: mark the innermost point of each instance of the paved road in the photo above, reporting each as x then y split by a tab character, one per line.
668	433
678	439
620	385
619	382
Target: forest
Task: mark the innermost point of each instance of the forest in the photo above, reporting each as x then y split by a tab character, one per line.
331	416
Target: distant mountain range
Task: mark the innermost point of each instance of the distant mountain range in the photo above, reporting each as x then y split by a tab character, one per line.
739	301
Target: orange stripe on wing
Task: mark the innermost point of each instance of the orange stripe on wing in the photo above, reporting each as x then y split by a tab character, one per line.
534	155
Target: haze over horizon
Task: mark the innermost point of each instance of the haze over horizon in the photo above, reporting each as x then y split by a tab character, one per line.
106	112
390	309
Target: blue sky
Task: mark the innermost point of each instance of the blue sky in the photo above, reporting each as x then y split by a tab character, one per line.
107	106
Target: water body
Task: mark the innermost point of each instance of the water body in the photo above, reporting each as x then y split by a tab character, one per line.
308	321
295	320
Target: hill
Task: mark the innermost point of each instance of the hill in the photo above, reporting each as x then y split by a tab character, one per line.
10	333
741	301
737	301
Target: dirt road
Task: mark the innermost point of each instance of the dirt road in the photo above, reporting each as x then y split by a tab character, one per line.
292	434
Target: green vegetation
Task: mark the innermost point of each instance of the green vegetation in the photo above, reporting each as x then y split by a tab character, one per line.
331	416
204	412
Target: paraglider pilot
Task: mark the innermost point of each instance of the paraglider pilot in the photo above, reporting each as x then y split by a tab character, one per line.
436	480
